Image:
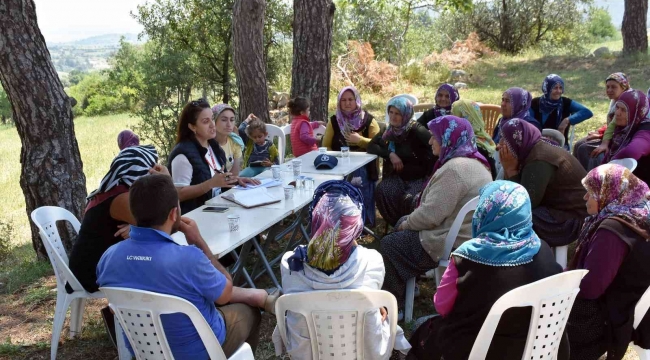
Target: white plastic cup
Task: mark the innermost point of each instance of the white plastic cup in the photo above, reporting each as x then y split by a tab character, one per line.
345	152
309	183
288	192
297	164
300	182
322	150
233	222
277	175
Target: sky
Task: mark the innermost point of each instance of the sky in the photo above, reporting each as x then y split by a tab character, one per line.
69	20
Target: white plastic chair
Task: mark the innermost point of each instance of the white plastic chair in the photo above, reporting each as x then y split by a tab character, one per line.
640	310
551	299
409	297
287	130
320	130
139	313
413	98
45	219
572	136
277	132
629	163
335	319
555	135
561	254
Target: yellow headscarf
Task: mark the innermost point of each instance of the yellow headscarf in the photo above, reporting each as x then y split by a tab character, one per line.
470	110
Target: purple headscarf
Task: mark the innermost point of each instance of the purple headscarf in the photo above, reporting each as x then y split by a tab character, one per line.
453	97
127	138
520	136
520	100
349	120
636	103
456	138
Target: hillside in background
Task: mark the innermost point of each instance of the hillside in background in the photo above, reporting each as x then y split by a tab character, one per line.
87	54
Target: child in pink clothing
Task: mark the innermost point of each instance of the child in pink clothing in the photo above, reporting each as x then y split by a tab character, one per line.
302	130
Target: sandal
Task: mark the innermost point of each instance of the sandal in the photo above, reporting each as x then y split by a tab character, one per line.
272	297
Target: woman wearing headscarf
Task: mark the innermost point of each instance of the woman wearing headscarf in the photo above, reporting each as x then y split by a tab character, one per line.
631	137
127	138
515	104
470	111
446	96
418	244
590	151
353	127
503	254
406	144
613	245
552	177
228	138
332	261
555	111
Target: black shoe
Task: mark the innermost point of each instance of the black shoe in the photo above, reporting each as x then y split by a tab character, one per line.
109	323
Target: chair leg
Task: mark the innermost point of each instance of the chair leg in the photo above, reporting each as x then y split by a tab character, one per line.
440	270
409	298
62	303
76	316
122	351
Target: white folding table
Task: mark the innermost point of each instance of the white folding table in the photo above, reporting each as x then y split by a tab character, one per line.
345	166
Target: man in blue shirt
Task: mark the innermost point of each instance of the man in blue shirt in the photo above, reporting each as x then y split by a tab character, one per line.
150	260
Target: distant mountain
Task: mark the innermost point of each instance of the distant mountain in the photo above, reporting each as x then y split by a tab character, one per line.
107	40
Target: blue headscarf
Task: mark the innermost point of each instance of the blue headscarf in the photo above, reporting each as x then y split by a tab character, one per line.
502	227
398	133
546	104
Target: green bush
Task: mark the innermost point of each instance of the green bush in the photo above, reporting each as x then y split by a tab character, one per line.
599	23
97	95
7	233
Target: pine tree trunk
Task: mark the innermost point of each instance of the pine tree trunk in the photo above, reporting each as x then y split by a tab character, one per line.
248	55
634	29
51	171
312	53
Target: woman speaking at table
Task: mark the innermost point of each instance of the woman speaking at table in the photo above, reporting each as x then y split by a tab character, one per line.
197	162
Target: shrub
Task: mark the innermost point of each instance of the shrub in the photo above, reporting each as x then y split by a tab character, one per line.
7	233
599	23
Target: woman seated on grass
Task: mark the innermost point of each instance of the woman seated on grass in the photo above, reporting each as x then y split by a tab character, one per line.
552	177
446	96
470	111
613	246
418	244
406	144
590	151
353	127
503	254
554	111
631	137
334	261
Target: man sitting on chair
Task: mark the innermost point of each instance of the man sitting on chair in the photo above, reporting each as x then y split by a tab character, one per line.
150	260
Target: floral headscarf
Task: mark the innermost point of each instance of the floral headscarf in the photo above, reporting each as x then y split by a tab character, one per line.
636	103
470	111
546	104
520	136
453	97
336	222
456	139
353	120
520	100
621	196
502	227
405	107
216	111
622	80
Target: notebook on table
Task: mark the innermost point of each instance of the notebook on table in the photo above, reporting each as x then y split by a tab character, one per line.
251	198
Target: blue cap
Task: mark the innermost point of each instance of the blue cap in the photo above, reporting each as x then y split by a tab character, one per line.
325	161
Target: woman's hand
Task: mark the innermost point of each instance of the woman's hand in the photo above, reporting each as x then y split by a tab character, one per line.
352	137
398	165
267	163
123	231
247	181
222	180
508	161
563	125
599	150
159	170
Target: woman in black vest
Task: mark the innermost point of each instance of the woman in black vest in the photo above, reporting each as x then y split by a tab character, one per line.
554	111
353	127
504	253
614	247
197	162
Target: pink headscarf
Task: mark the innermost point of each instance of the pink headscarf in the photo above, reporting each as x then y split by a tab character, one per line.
127	138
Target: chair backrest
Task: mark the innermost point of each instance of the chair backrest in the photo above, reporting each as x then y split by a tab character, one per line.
413	98
320	130
335	319
551	300
287	130
45	219
641	308
455	228
491	114
423	107
139	314
627	162
555	135
277	132
572	137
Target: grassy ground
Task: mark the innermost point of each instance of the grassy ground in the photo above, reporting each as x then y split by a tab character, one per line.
27	298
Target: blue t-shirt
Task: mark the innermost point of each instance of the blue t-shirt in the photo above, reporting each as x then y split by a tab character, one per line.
151	261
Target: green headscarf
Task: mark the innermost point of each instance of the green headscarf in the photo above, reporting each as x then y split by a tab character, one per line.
470	110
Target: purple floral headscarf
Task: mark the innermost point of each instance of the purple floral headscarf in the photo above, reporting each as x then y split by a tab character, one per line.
405	107
521	101
353	120
453	97
636	103
520	136
456	138
621	196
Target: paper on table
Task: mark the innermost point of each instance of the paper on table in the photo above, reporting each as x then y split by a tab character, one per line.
251	198
264	183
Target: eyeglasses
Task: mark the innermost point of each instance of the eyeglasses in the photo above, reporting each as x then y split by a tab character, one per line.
200	102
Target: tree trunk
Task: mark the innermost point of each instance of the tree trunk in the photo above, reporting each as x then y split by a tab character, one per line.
312	53
51	171
248	55
634	29
225	68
